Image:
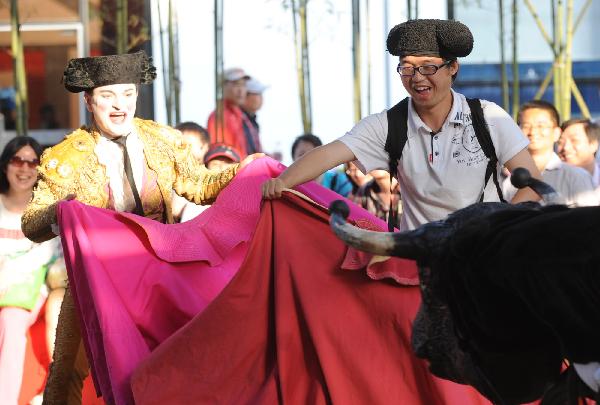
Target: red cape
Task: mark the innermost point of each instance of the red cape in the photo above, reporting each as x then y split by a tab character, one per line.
293	327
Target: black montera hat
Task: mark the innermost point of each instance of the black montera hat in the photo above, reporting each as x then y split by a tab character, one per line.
444	38
88	73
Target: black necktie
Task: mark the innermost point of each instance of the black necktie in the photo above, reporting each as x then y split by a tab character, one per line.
122	142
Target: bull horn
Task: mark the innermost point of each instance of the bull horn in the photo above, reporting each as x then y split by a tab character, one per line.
409	245
521	178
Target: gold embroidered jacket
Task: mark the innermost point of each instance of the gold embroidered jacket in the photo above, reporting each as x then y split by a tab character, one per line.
72	167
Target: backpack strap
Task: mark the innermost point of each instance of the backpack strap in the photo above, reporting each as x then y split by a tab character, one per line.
485	141
397	135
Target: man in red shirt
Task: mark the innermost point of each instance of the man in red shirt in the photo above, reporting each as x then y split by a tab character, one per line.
234	94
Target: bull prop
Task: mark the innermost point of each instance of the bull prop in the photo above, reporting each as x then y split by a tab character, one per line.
508	291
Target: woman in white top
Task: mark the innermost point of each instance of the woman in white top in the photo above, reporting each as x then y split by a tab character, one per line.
22	263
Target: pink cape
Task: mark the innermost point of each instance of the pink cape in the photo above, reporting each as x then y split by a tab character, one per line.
137	281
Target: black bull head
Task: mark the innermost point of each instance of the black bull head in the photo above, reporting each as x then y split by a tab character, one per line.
497	285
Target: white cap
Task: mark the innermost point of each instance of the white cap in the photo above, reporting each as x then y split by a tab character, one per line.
254	86
234	74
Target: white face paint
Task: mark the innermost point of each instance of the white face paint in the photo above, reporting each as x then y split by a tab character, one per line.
113	107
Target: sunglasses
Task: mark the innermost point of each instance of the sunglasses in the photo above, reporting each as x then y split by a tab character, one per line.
19	162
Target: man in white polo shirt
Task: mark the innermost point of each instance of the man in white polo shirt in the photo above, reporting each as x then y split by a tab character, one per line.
539	119
442	167
578	146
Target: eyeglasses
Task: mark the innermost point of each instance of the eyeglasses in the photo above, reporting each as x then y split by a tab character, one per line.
18	161
425	70
526	127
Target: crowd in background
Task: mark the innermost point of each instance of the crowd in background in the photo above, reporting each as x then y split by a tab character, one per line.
564	152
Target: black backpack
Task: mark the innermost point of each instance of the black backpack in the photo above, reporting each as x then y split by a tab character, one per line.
397	117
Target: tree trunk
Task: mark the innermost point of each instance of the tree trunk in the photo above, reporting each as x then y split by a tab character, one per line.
19	76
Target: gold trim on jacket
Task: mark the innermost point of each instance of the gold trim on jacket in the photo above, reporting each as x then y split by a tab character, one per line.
72	167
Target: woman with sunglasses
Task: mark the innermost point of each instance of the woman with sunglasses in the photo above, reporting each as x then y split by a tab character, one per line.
23	263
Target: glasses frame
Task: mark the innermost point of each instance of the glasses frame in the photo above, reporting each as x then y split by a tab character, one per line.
537	127
416	69
18	161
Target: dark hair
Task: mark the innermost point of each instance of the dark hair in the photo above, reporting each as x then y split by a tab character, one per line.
540	105
592	130
310	138
193	127
9	151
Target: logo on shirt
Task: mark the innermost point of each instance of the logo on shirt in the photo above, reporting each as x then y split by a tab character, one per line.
466	140
469	139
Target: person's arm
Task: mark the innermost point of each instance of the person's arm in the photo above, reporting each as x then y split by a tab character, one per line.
308	167
524	159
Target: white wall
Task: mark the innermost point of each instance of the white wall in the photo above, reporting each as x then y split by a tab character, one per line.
258	37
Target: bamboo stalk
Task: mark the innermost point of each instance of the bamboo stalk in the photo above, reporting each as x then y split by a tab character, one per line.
503	75
540	93
585	111
219	122
568	65
173	76
177	82
356	59
559	66
368	21
299	73
538	22
306	64
19	76
302	62
122	26
163	58
546	80
584	8
515	67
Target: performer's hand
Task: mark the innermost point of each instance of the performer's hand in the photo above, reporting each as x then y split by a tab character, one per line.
272	188
54	226
250	158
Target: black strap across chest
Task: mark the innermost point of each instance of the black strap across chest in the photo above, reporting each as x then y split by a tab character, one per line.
397	136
